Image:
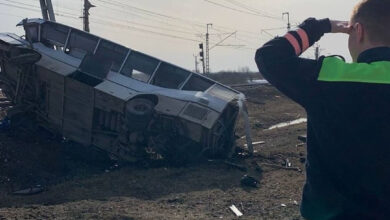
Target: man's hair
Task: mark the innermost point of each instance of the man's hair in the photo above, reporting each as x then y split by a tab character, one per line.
374	15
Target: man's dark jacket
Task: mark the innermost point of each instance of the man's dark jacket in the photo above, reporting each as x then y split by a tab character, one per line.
348	137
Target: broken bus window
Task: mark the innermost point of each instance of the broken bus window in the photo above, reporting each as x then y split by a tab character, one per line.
112	53
32	33
54	34
140	66
198	83
169	76
80	44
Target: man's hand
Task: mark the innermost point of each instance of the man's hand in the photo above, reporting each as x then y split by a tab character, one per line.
340	27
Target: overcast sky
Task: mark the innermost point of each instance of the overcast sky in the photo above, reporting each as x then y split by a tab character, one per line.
171	29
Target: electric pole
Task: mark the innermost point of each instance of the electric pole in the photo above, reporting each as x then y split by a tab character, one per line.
201	54
208	49
47	10
288	20
87	6
196	64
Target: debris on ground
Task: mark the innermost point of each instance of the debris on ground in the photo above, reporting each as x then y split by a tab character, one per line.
111	168
282	167
249	181
255	143
236	211
286	163
235	165
29	191
302	138
257	167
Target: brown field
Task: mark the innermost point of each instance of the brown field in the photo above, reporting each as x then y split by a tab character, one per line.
84	184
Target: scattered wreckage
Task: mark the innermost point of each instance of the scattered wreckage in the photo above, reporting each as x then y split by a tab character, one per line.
96	92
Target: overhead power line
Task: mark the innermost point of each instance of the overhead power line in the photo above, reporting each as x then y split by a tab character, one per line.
221	41
152	13
182	29
251	9
176	30
162	18
8	14
140	27
143	15
242	11
227	7
113	24
22	5
102	22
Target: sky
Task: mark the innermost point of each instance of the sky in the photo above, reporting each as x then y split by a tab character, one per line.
172	29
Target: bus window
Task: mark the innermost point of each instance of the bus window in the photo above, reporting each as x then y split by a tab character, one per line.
112	53
80	44
169	76
198	83
140	66
32	33
54	34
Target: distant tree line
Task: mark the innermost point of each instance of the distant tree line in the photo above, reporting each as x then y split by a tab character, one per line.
234	77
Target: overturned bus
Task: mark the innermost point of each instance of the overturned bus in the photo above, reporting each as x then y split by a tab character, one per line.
96	92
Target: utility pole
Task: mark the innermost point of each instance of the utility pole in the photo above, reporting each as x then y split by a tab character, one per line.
201	54
47	10
196	64
288	20
208	49
87	6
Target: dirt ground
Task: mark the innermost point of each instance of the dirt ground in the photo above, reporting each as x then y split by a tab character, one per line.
81	183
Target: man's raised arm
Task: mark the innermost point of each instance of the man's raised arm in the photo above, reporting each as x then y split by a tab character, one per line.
279	62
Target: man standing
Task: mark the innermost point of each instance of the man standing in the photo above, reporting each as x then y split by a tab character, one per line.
348	108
